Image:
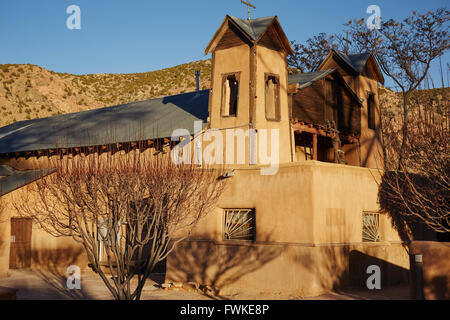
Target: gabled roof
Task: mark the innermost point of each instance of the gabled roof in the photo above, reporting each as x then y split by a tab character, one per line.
356	62
136	121
304	80
253	30
11	179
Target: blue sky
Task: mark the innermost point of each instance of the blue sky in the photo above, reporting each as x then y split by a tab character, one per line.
119	36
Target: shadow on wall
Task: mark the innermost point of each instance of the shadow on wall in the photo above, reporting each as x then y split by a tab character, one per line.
218	265
328	265
391	274
435	269
439	288
343	266
408	228
51	266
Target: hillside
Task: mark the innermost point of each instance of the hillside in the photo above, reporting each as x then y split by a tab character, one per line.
29	91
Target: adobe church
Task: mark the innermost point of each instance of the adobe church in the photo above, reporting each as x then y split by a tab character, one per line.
311	227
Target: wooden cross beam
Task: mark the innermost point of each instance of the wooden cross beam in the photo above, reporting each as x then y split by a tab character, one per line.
248	4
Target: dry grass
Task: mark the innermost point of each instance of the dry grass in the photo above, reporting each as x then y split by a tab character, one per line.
29	91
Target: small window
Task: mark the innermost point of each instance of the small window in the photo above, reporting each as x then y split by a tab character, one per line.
272	97
370	227
230	95
239	224
371	111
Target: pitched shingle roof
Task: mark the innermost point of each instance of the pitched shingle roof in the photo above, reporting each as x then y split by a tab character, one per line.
143	120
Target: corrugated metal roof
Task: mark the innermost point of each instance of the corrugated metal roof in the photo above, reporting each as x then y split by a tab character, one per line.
306	79
253	28
143	120
16	179
5	171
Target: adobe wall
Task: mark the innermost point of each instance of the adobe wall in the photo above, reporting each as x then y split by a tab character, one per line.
308	233
370	152
47	252
273	62
235	59
296	204
297	269
436	268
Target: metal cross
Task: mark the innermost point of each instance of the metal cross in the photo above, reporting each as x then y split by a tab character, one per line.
248	4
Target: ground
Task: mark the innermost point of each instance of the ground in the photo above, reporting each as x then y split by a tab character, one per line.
37	285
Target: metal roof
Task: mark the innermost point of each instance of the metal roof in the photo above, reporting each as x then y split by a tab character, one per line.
253	28
306	79
143	120
356	61
11	179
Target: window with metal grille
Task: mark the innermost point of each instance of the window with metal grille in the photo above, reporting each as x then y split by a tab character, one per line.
370	227
239	224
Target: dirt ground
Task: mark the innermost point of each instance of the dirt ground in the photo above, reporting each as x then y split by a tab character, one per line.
39	285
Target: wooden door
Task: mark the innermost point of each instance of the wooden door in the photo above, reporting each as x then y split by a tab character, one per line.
20	252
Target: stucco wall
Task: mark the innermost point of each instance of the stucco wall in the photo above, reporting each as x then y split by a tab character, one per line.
273	62
294	204
47	252
284	268
370	151
231	60
308	233
435	268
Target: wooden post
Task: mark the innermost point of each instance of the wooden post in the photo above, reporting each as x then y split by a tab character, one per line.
315	146
418	263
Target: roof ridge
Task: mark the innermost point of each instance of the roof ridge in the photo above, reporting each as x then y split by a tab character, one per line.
248	26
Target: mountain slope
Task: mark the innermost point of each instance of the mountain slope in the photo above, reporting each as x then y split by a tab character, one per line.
29	91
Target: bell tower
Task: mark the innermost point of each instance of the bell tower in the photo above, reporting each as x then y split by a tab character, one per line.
249	78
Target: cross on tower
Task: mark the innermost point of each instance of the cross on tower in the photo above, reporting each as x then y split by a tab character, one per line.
248	4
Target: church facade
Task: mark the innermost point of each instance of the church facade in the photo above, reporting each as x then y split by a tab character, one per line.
302	155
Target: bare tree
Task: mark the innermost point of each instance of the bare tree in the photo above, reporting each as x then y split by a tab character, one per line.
2	207
420	188
127	210
404	51
308	56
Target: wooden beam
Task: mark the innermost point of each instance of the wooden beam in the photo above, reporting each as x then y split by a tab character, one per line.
300	127
315	146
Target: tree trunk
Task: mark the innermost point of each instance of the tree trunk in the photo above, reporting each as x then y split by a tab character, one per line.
402	151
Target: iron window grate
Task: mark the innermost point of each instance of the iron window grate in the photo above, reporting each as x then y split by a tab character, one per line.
239	224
